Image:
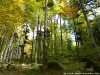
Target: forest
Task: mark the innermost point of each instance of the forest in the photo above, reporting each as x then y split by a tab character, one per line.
49	37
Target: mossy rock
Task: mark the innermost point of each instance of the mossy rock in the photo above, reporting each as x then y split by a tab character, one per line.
54	66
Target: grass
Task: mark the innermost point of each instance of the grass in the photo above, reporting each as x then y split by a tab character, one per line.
34	72
39	72
33	69
73	67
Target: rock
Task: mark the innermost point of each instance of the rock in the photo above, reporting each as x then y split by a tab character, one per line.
54	66
93	65
89	64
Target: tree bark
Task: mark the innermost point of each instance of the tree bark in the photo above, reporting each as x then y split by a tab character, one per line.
45	42
89	28
31	55
9	43
55	40
61	34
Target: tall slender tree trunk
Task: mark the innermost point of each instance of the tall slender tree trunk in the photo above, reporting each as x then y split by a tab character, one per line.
45	36
17	53
31	55
52	43
89	28
10	57
39	40
37	43
24	41
10	48
61	34
2	39
35	50
9	43
55	40
77	42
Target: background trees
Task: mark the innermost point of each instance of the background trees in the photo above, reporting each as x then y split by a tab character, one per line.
50	24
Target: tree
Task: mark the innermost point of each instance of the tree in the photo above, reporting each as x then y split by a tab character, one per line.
45	37
89	28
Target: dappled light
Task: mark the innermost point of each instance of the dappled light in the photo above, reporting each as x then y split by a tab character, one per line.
49	37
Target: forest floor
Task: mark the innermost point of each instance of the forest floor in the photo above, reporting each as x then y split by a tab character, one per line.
71	68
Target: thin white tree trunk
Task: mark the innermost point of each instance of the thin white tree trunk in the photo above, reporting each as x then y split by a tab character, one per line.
10	40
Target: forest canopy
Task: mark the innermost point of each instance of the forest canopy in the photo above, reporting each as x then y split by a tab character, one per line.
45	31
